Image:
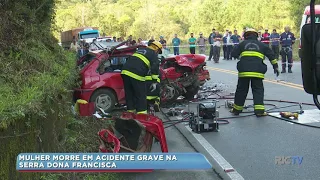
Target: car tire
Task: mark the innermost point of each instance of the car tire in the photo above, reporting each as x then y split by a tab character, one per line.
104	99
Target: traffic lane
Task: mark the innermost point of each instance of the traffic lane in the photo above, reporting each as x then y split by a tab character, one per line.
176	143
295	77
273	89
250	144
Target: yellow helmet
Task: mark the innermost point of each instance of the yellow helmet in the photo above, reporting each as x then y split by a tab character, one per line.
155	45
250	31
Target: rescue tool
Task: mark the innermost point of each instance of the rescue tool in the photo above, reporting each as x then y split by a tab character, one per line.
289	115
203	116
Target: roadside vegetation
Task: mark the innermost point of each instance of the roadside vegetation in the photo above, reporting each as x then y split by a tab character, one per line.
37	76
144	19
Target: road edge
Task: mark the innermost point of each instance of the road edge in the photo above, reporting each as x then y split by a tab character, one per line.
219	164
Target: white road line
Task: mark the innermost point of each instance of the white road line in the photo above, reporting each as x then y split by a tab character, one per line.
226	169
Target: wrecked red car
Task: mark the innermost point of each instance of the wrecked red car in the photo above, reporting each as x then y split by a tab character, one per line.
143	130
101	82
182	75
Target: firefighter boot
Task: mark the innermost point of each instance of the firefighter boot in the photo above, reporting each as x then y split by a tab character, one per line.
289	70
261	114
235	112
283	70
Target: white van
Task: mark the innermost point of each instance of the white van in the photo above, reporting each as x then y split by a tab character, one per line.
306	19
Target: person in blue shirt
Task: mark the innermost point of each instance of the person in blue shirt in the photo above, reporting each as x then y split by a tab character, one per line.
287	39
176	43
225	39
274	37
235	38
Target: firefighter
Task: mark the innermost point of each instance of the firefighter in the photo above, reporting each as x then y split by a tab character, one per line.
153	93
134	72
287	39
252	69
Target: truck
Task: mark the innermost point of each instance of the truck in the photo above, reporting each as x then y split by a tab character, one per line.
306	19
78	33
88	34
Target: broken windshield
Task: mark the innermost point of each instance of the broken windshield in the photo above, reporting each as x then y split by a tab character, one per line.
83	61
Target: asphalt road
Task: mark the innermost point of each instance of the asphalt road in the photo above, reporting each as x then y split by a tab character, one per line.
251	144
176	143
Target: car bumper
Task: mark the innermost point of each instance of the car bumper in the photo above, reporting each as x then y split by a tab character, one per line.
83	109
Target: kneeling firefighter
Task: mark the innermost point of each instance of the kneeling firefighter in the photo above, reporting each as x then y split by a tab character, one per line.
134	72
252	69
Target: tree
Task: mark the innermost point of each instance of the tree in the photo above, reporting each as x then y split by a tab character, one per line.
144	18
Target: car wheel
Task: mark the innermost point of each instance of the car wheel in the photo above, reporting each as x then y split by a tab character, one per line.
104	99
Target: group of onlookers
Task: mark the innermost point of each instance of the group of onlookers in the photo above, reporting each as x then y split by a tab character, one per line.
215	40
228	40
81	47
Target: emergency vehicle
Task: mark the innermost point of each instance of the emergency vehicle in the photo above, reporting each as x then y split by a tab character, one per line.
306	19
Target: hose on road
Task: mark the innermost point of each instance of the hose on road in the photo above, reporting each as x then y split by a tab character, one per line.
225	120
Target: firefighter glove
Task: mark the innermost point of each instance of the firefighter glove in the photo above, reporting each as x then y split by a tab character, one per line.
161	59
276	71
153	87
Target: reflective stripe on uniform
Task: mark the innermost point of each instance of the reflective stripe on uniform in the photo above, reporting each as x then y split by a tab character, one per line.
251	74
132	111
259	107
153	97
144	59
239	108
252	53
133	75
142	112
154	76
148	78
275	61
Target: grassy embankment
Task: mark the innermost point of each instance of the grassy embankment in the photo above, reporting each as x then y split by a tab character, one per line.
37	78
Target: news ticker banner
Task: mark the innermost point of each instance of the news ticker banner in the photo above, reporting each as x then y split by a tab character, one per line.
110	162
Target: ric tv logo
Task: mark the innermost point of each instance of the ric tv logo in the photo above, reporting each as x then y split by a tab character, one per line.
288	160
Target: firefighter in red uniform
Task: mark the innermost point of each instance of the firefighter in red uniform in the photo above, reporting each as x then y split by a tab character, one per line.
266	37
134	72
252	69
